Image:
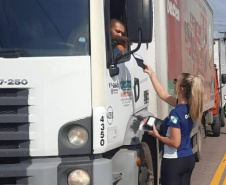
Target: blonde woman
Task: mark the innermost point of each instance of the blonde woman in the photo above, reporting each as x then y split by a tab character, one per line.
178	160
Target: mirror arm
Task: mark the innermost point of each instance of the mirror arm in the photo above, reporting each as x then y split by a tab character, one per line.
130	52
221	87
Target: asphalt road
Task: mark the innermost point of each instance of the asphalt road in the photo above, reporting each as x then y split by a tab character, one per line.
213	152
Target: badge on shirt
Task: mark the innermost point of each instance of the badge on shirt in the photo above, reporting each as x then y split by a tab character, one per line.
174	119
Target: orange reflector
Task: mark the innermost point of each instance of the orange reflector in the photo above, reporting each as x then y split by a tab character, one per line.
138	161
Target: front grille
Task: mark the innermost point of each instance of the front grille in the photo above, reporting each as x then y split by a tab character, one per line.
8	110
8	180
14	124
9	145
14	136
4	127
9	92
14	180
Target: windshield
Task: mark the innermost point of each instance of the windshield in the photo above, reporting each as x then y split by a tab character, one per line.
31	28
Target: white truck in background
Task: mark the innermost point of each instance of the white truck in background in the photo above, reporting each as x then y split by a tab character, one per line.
220	62
69	110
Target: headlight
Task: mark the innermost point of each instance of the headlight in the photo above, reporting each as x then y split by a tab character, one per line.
78	136
79	177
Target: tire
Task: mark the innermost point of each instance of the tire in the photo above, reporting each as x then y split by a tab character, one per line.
216	127
146	173
222	118
153	148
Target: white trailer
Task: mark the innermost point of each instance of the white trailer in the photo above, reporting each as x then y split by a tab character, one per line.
183	42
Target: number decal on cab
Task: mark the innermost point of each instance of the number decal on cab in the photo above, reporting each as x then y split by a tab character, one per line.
13	81
102	128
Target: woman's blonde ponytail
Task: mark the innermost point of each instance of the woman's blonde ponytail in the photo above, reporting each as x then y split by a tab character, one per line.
196	98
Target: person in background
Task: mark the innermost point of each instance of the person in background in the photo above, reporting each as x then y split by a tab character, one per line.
178	160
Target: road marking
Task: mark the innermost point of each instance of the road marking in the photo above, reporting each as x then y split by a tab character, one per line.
224	183
217	176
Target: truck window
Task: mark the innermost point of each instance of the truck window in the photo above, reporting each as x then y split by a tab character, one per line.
117	12
44	27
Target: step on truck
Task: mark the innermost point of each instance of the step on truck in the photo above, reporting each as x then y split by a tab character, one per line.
71	102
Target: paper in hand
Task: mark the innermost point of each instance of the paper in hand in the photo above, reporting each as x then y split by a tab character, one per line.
140	62
148	125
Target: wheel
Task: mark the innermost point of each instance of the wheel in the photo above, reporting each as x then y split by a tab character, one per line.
146	174
222	118
216	127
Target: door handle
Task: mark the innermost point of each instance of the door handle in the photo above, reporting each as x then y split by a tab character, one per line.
136	88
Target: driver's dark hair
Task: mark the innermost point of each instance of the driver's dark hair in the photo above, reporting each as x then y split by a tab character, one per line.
113	21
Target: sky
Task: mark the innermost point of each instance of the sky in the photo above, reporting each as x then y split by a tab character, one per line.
219	16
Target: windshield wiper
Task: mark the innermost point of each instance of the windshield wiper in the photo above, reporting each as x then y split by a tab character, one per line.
12	53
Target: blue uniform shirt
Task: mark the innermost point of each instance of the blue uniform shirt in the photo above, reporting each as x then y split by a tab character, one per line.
178	118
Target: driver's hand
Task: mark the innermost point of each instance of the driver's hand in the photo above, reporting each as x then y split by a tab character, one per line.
121	40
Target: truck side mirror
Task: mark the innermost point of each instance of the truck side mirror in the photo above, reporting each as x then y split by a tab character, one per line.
140	17
223	78
113	70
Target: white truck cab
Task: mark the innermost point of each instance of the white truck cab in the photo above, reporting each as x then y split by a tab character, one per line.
70	112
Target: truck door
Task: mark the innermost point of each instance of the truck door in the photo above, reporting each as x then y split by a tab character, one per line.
126	83
132	78
139	80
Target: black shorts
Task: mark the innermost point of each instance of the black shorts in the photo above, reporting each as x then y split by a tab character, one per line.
177	171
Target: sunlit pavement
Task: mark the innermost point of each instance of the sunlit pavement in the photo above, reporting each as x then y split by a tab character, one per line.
211	168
